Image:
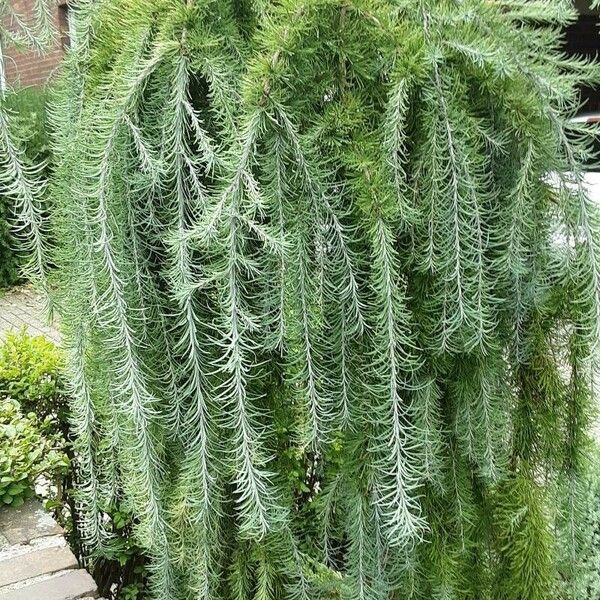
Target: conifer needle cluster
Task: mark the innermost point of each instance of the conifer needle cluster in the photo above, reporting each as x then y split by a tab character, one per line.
21	182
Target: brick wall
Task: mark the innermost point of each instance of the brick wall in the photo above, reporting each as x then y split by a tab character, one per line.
31	68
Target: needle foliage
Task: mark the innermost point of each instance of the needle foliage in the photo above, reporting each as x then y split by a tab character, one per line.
22	183
329	281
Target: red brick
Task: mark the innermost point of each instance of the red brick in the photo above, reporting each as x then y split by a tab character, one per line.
30	68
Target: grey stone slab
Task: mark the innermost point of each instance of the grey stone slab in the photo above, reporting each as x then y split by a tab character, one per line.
3	542
26	523
71	585
33	564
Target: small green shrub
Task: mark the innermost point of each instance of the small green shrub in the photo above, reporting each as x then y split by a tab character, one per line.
30	448
31	373
34	419
120	564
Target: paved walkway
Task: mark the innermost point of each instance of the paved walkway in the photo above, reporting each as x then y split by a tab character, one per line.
35	560
23	307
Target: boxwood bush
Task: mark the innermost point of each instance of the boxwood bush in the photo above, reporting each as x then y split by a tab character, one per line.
33	428
30	449
31	373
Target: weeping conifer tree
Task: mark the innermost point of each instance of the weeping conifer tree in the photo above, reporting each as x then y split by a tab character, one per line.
329	285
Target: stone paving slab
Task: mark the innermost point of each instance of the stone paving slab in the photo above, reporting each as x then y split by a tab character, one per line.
26	523
69	585
33	564
35	561
23	308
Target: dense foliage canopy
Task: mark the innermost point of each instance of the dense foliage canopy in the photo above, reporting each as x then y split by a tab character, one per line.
329	284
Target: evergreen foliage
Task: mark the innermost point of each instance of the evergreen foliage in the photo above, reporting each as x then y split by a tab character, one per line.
21	183
26	109
331	327
8	261
584	582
